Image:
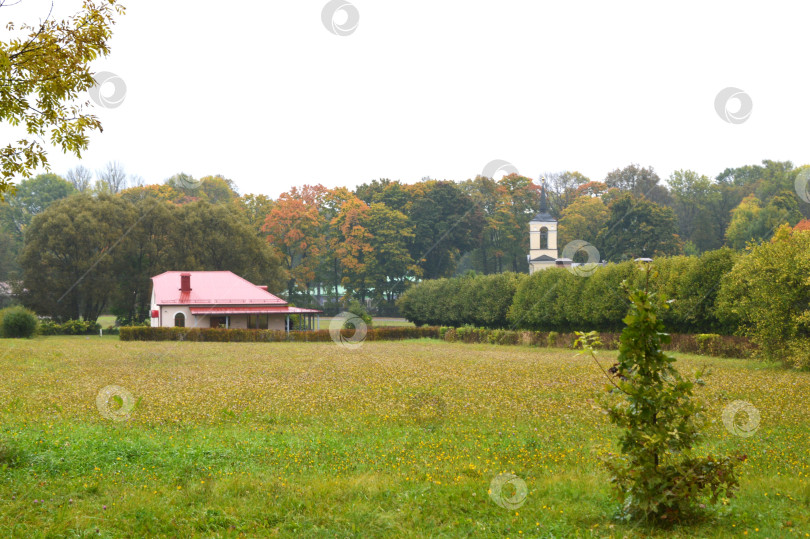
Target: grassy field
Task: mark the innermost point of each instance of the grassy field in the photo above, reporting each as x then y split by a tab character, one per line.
391	439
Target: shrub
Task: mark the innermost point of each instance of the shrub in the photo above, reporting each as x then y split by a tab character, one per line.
140	333
17	322
767	294
359	310
70	327
657	477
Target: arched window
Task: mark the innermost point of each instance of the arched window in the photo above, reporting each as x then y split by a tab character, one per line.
179	320
544	238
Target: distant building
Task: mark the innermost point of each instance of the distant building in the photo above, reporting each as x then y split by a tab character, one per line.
542	238
221	299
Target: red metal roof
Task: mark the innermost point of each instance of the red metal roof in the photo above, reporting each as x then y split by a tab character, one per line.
252	310
210	288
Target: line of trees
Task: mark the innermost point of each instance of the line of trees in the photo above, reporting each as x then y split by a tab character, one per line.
374	242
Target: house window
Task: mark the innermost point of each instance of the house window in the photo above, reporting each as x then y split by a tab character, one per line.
258	321
544	238
179	320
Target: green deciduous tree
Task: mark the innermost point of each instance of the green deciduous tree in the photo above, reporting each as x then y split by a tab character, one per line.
640	182
583	219
148	251
657	476
391	193
69	259
695	199
390	264
751	222
447	224
217	189
504	228
638	228
767	294
33	196
255	208
216	237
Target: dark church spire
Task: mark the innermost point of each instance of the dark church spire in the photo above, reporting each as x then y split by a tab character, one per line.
543	200
543	214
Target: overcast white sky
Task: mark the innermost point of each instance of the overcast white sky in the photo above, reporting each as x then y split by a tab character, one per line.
264	94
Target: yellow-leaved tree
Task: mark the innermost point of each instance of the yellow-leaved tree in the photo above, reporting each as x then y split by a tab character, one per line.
44	70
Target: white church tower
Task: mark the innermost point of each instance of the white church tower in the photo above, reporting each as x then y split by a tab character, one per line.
542	237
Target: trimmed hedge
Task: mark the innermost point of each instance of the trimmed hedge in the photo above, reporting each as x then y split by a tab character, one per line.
708	344
556	299
705	344
141	333
478	300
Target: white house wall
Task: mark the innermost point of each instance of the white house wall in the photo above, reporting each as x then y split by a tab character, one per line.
237	321
276	321
167	315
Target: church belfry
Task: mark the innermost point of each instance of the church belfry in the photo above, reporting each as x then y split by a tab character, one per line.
542	237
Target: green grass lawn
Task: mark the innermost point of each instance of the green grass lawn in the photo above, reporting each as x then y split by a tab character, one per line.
391	439
106	320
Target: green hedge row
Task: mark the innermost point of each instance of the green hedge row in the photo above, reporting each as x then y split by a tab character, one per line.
558	300
478	300
134	333
705	344
710	344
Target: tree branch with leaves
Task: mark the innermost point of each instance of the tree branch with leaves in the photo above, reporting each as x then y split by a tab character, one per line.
43	71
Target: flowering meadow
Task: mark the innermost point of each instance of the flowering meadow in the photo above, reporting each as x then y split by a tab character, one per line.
404	439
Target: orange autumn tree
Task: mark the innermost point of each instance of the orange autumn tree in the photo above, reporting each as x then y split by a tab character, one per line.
293	229
351	243
330	272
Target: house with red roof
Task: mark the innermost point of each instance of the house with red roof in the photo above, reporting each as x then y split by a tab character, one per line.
221	299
